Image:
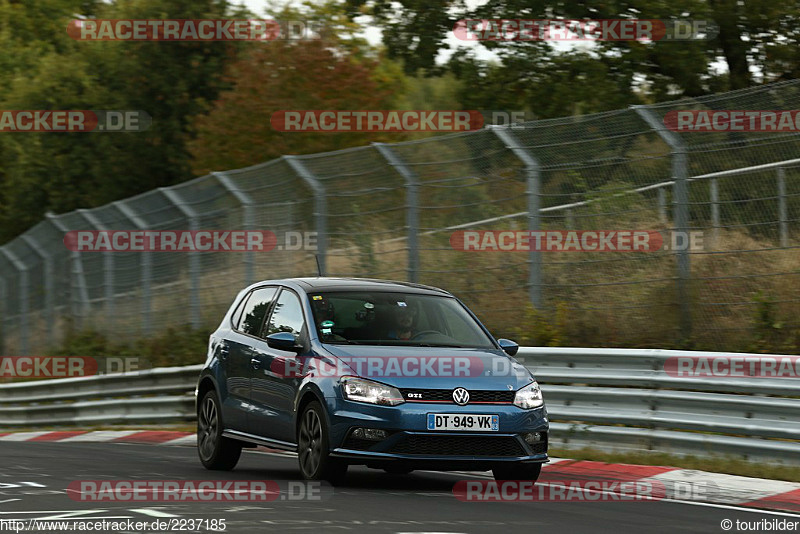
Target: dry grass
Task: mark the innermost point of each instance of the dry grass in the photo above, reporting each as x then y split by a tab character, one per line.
738	302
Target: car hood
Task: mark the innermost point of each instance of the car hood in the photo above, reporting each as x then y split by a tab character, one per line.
432	367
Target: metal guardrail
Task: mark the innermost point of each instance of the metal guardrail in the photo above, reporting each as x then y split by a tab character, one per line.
160	395
623	400
604	399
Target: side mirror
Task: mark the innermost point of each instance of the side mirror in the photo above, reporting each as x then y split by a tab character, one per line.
508	346
282	341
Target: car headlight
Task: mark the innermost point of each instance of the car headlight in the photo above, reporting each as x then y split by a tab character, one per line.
529	397
361	390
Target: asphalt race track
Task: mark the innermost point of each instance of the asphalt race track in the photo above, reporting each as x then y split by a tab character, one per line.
34	478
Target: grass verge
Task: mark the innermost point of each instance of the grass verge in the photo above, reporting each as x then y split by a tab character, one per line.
727	465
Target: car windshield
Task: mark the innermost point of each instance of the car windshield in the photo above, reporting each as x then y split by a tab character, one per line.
389	318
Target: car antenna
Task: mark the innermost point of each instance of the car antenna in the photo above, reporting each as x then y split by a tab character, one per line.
319	267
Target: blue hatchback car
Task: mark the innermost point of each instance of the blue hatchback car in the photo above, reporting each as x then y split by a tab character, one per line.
391	375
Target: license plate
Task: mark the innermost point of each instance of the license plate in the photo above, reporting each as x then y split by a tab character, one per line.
457	421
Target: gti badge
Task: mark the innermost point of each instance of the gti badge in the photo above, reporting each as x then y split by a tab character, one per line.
460	396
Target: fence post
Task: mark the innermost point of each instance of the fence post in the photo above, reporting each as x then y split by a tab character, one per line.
23	298
680	201
412	207
662	205
3	316
320	208
247	216
78	294
49	305
782	217
146	265
194	258
108	272
533	172
714	194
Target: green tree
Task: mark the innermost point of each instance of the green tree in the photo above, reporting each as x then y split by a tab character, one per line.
758	40
172	81
285	75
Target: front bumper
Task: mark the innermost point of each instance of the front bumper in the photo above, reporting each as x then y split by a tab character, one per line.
410	441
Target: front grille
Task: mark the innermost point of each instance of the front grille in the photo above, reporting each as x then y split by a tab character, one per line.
459	446
541	447
446	395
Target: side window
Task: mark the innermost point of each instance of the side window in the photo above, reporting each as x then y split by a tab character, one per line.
288	315
237	314
256	310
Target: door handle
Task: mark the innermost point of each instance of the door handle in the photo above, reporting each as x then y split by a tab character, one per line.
255	362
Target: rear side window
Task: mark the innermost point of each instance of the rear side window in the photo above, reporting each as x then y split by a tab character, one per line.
258	304
237	314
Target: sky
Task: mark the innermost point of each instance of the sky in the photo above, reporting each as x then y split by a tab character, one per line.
373	34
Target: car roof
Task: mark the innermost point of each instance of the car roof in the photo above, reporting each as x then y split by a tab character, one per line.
359	284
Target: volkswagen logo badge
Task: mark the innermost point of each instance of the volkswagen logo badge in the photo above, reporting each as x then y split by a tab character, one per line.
460	396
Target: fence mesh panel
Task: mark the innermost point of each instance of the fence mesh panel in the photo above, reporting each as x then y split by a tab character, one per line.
395	211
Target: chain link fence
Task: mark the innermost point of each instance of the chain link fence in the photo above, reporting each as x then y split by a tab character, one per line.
390	210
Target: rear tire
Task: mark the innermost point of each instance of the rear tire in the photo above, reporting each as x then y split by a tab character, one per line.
216	452
527	472
313	450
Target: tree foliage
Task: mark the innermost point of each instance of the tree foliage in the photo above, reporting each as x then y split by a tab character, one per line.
286	75
757	41
44	69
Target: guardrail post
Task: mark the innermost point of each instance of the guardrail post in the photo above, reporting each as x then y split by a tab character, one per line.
146	265
662	205
714	194
533	171
680	201
782	216
23	298
49	305
108	272
412	206
320	208
248	219
79	294
194	258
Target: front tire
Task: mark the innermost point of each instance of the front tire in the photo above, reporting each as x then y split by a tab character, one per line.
527	472
313	451
216	452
